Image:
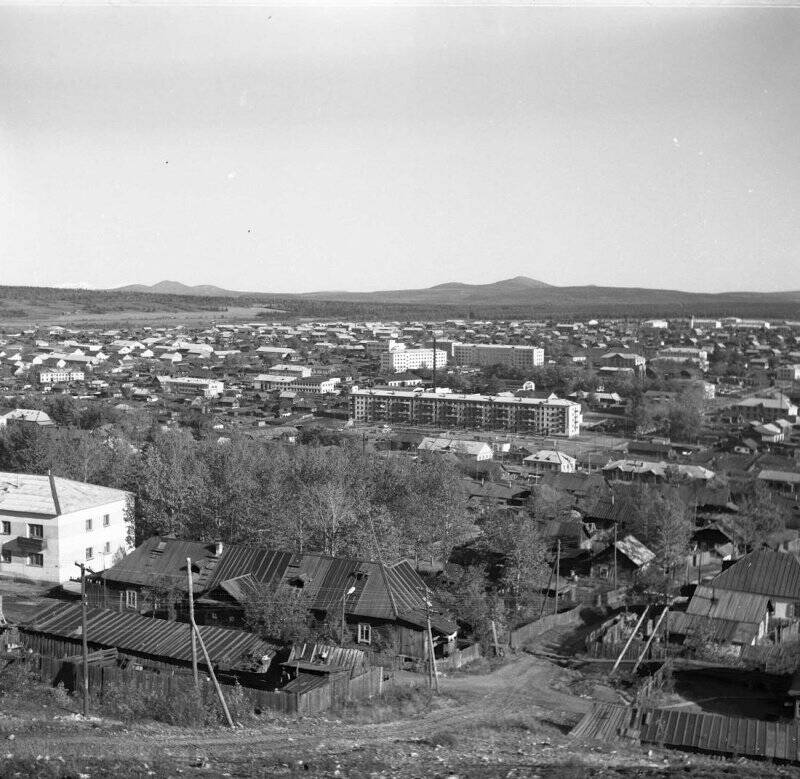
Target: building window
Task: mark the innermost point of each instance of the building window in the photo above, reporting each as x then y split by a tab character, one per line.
6	528
106	520
107	548
89	553
35	531
131	599
36	560
364	633
88	524
6	557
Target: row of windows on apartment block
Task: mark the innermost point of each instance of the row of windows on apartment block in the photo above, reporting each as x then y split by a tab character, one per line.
37	531
36	559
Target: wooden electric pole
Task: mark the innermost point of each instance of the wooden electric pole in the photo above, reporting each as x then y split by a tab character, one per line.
84	640
195	672
558	565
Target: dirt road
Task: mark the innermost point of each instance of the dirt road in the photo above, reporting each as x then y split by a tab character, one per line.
520	688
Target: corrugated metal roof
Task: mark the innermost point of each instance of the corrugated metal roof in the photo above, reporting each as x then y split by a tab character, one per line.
708	601
326	657
721	631
133	634
693	731
723	735
305	682
391	592
764	572
162	558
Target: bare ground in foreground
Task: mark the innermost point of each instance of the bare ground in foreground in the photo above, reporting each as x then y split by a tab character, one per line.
513	722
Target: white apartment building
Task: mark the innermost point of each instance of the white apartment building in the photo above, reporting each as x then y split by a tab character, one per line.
541	416
47	524
189	385
522	357
398	360
59	375
268	382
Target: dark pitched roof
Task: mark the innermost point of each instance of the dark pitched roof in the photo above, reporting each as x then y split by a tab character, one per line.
763	572
132	633
387	592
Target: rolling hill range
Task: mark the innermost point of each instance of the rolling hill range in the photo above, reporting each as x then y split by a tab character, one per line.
516	298
517	291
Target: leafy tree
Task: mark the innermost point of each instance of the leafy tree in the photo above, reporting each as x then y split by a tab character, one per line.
281	615
759	516
172	488
469	597
685	416
525	558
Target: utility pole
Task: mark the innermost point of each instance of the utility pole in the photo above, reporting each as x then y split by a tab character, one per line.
432	658
615	555
558	565
191	623
84	640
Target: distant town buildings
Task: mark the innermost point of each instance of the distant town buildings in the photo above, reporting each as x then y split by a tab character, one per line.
521	357
541	416
399	359
788	373
60	375
189	385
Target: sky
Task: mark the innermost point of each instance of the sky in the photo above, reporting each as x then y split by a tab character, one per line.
291	149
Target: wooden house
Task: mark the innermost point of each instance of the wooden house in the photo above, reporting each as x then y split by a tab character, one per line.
386	607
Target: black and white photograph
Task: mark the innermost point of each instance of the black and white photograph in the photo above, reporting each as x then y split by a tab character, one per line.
398	389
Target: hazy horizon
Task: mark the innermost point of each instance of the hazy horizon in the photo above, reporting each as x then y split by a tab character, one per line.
365	149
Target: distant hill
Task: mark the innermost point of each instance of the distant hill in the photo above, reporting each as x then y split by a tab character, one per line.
176	288
519	297
513	290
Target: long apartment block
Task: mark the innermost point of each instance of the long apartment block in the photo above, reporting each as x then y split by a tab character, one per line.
540	416
498	354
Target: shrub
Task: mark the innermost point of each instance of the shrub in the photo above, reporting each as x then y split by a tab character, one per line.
17	676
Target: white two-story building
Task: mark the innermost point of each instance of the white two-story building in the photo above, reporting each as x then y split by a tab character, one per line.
47	524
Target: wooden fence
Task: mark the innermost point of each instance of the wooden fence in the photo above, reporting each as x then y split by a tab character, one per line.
533	629
459	657
54	670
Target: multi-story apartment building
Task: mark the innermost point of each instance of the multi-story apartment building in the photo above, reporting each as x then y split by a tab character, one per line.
686	354
541	416
766	409
59	375
522	357
788	373
399	360
318	385
47	524
189	385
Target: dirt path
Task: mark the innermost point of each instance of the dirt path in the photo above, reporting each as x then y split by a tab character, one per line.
520	688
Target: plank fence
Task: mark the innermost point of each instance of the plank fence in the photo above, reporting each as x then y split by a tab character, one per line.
525	633
459	658
53	670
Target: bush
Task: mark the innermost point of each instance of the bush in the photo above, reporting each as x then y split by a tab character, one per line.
178	707
17	676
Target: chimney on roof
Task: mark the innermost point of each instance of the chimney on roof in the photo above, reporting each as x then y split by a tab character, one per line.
54	492
218	547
